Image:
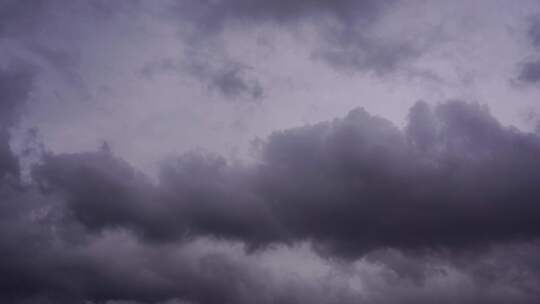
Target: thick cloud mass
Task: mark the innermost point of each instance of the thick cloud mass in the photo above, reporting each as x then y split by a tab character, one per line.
454	178
455	186
91	228
443	208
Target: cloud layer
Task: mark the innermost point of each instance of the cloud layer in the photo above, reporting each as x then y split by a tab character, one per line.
442	206
452	188
453	178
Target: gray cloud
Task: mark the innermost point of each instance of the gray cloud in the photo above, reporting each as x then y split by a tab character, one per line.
214	15
455	179
9	165
345	27
49	33
363	53
533	31
351	210
228	78
15	87
360	183
353	187
20	17
231	81
530	72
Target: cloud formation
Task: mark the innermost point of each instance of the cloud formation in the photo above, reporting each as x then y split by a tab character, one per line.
450	186
454	178
529	70
356	209
345	28
412	208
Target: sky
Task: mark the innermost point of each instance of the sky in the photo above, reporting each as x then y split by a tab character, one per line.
269	151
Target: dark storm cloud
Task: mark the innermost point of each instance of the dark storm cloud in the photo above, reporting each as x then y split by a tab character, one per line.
455	178
444	210
25	19
197	195
47	257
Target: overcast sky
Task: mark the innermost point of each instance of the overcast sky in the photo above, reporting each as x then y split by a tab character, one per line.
269	151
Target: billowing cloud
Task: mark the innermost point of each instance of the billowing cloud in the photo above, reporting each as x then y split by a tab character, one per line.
440	205
454	178
452	189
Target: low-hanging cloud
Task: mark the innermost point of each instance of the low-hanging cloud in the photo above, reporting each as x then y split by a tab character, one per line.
453	181
89	227
453	178
350	210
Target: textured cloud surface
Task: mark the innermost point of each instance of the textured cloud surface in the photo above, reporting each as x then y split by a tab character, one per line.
235	151
452	189
454	178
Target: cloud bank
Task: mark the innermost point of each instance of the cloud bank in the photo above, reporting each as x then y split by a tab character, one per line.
417	206
454	177
357	209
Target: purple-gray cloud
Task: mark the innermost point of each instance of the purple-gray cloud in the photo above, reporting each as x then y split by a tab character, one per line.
452	185
357	209
454	178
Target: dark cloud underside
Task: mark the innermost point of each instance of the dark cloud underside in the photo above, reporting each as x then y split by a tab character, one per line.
445	209
454	178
